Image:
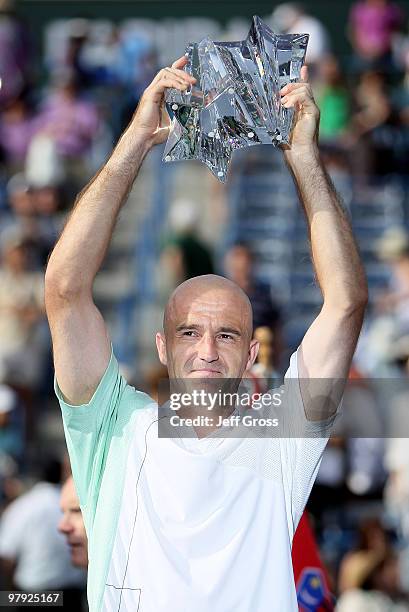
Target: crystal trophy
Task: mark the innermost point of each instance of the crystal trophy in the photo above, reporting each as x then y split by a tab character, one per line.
235	101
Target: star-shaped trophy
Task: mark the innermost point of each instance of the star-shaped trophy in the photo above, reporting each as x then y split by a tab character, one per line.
235	102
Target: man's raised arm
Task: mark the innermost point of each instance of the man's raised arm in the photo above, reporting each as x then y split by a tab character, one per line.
329	344
81	344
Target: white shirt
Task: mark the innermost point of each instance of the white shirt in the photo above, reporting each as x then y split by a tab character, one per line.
318	44
29	534
207	524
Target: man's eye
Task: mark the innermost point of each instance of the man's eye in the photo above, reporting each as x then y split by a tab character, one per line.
189	333
226	336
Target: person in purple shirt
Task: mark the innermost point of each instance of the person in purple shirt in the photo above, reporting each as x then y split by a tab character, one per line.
69	119
372	24
17	127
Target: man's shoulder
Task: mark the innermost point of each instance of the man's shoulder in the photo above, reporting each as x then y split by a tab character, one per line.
138	402
140	399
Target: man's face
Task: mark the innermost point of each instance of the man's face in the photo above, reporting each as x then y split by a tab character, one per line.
72	525
207	335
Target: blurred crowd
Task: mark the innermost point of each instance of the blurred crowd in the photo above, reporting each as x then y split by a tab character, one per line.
61	110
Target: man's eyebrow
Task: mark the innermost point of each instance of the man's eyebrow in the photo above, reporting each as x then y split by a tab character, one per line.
187	326
220	330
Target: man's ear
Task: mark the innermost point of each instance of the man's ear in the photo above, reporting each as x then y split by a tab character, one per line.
161	347
253	352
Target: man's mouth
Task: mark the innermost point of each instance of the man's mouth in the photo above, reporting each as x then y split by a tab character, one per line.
205	373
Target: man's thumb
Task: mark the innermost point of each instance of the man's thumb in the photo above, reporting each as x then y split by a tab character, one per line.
161	135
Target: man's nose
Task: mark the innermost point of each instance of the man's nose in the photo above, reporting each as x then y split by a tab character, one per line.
64	526
207	349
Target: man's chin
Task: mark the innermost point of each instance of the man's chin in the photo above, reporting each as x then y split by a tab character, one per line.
77	558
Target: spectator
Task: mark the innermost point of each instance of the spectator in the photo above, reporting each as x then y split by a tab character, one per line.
34	213
372	546
33	553
372	25
69	120
64	40
15	54
72	526
136	61
78	33
363	427
262	374
239	268
21	313
20	201
372	100
377	586
290	17
17	127
393	249
185	255
391	309
238	264
376	129
333	100
135	66
100	54
264	366
50	172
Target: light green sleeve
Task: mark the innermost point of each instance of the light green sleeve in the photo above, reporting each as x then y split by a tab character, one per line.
88	432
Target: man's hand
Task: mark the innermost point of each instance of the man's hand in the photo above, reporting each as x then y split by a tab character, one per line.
151	120
306	121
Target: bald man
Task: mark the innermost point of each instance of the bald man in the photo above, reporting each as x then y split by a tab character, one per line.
202	522
72	524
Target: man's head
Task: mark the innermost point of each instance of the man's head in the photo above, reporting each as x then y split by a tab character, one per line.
72	524
208	327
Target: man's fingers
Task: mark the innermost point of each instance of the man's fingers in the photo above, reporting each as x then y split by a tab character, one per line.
300	92
304	74
181	74
292	86
297	89
170	78
171	75
167	80
180	63
298	97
